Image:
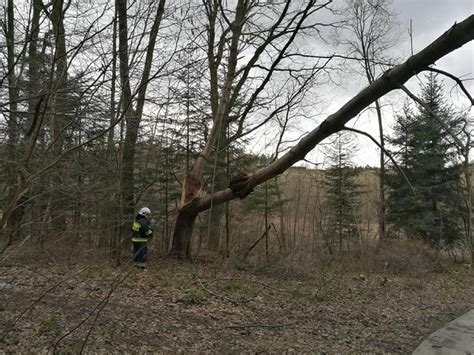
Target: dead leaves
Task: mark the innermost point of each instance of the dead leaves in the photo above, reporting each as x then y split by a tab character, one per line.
200	308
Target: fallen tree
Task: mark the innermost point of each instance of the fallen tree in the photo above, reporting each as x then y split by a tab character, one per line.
240	186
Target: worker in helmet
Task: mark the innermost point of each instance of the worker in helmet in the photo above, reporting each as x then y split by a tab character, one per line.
141	233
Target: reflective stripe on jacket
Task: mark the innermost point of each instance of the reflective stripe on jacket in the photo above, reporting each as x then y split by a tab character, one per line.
141	230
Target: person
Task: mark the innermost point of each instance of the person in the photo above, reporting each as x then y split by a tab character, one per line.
141	234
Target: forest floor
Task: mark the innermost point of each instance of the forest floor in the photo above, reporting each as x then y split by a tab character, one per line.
217	307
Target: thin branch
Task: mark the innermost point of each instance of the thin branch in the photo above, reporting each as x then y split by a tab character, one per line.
237	326
256	242
102	305
459	143
456	79
385	151
220	296
247	280
99	307
35	302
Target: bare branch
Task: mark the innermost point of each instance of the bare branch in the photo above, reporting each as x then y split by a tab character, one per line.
456	79
385	151
459	143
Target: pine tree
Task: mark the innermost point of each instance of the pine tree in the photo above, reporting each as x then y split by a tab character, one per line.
341	198
433	210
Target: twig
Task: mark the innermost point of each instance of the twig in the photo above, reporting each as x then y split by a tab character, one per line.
247	280
260	325
104	302
15	248
326	282
258	240
99	306
220	296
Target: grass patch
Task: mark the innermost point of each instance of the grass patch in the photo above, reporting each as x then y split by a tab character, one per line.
50	325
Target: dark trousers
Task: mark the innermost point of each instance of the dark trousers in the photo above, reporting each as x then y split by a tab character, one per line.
140	252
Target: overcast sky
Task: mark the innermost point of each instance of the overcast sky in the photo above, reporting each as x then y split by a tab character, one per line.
430	18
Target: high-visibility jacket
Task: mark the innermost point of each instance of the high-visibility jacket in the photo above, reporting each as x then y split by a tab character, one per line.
141	231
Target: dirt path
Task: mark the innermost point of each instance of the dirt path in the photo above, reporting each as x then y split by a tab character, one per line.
201	308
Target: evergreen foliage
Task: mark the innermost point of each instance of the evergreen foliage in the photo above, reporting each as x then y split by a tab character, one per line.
433	211
342	193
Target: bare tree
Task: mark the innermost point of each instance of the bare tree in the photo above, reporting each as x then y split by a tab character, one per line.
370	28
12	80
238	81
59	106
52	120
133	115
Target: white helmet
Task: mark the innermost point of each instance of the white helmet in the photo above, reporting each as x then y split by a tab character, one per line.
145	211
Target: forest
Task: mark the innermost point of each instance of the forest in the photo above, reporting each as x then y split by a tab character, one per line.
232	176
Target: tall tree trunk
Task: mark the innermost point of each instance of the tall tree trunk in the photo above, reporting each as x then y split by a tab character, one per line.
13	131
59	107
227	207
128	153
34	86
467	171
109	208
281	215
219	181
12	84
133	116
183	231
110	213
266	220
382	202
19	187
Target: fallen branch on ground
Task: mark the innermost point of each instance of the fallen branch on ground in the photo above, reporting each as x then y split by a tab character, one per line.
260	325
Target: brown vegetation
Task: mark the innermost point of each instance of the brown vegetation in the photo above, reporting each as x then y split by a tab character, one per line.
295	303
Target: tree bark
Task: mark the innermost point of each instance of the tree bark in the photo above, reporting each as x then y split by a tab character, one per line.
219	181
382	207
13	129
58	112
12	84
181	247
